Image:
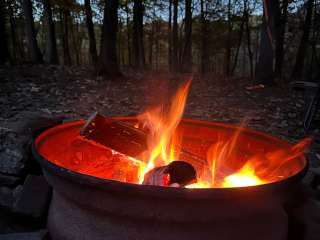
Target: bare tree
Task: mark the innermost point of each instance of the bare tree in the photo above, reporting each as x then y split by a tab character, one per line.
137	38
4	53
241	30
128	32
175	57
187	51
51	37
301	55
264	68
91	34
170	36
281	28
204	59
108	62
65	15
228	41
248	31
35	54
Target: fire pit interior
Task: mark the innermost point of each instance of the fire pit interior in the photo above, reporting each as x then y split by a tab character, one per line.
137	150
274	159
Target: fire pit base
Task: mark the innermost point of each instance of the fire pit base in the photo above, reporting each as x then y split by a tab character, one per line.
68	220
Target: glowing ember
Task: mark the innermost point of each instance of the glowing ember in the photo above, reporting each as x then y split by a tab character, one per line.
245	177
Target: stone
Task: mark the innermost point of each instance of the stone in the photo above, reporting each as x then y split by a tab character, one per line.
12	152
29	123
6	197
284	123
12	160
292	115
33	199
8	180
15	138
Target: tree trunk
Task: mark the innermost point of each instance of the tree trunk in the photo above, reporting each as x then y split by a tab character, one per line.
279	54
4	53
76	40
91	35
298	69
65	37
157	43
51	37
187	51
17	48
235	62
108	62
13	35
204	45
128	33
137	38
312	70
228	42
264	69
175	58
170	36
151	40
250	54
35	54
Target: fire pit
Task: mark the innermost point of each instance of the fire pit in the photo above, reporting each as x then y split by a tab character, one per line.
97	194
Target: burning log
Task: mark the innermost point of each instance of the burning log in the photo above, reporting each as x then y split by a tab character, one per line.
125	138
175	174
114	134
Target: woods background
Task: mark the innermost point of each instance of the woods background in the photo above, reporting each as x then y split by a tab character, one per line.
270	41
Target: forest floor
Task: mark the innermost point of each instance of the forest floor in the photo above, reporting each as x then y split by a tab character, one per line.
73	92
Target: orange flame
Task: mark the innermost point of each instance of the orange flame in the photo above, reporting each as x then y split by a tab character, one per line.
224	168
162	124
244	177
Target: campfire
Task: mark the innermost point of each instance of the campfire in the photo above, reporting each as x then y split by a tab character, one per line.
158	175
158	148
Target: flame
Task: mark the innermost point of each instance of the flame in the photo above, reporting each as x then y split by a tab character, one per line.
244	177
162	123
225	166
256	170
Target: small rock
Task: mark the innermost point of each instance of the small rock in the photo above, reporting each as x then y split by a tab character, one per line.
283	123
8	180
33	200
6	197
12	161
292	115
28	123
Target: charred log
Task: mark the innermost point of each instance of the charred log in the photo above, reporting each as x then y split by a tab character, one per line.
175	174
125	138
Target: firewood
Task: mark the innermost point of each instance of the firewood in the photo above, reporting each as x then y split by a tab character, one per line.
125	138
114	134
175	174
